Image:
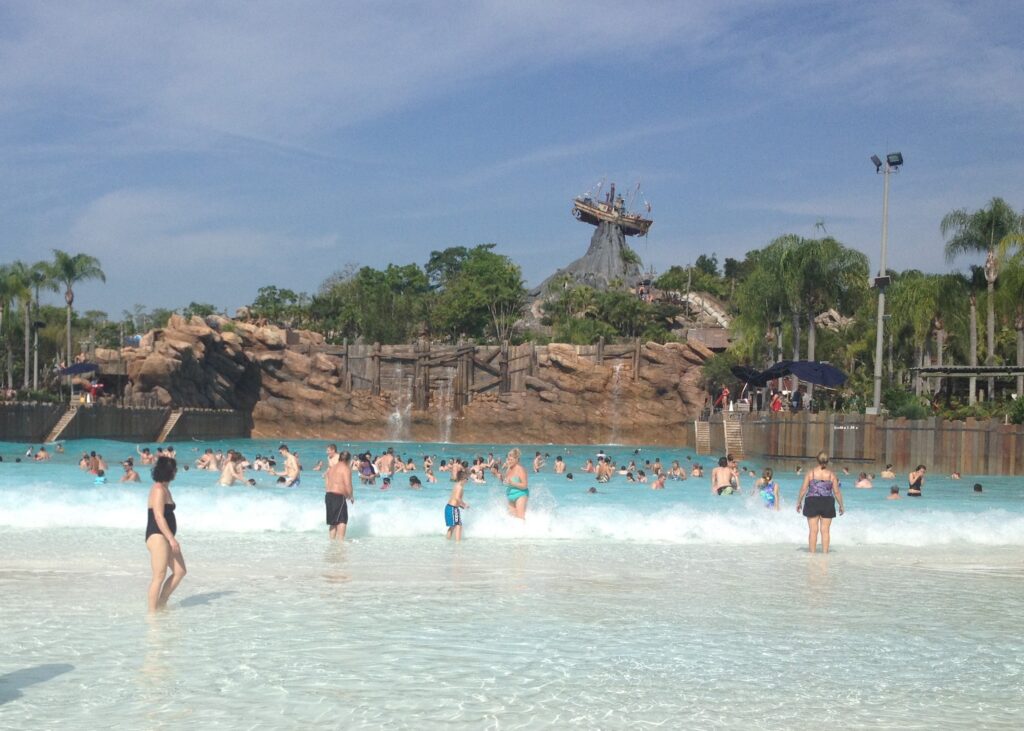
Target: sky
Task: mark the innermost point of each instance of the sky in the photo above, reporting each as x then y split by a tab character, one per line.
202	150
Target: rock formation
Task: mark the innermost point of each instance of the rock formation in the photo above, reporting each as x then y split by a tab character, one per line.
609	257
291	389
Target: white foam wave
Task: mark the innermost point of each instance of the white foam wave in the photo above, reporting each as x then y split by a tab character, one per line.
240	510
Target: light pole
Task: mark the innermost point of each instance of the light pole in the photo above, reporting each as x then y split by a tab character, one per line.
892	164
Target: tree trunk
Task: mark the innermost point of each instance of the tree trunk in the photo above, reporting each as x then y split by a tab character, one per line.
918	381
940	342
1019	324
796	336
812	338
28	342
972	385
990	336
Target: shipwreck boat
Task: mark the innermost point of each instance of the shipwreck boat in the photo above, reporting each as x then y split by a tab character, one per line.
613	210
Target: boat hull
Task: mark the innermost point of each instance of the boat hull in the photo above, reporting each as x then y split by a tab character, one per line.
595	213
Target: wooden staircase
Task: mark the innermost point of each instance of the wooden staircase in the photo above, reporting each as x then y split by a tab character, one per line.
66	418
733	436
172	421
703	431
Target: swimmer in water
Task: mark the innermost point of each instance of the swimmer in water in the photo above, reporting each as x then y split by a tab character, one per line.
722	478
768	489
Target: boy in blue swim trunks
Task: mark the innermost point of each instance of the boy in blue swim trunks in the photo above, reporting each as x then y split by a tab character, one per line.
453	510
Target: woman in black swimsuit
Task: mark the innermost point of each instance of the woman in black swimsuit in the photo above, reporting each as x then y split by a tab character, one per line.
916	480
161	527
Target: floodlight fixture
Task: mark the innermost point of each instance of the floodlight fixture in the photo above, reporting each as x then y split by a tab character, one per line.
894	159
878	163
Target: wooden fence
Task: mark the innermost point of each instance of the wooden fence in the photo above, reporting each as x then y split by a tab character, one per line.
970	447
422	373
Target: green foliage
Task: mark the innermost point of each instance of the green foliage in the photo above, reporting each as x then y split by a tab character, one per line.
582	314
275	304
629	256
716	372
483	298
389	306
1016	411
902	403
583	331
692	279
199	309
707	264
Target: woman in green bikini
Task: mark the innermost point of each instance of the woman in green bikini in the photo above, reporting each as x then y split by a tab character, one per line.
518	491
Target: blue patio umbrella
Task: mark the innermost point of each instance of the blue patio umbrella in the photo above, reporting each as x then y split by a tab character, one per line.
77	369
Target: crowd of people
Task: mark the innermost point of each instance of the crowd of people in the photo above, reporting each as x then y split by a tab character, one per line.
819	497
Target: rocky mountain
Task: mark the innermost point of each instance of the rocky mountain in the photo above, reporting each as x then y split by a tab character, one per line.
609	257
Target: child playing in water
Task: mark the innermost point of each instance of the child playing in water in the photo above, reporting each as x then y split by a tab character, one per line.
769	489
453	510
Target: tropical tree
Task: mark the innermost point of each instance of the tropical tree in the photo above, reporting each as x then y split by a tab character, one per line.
988	230
42	278
7	288
484	294
20	275
1013	296
830	276
69	270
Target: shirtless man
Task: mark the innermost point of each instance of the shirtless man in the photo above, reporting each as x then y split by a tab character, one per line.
130	475
559	465
207	461
145	456
233	470
386	463
291	467
721	478
538	462
338	494
42	455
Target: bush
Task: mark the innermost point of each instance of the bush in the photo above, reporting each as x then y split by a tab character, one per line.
1017	410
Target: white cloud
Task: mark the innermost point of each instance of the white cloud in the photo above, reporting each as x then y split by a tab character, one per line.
166	248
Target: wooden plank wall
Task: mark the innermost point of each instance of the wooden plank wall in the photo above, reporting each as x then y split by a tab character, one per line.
393	369
969	447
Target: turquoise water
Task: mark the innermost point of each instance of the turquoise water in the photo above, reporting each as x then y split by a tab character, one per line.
628	608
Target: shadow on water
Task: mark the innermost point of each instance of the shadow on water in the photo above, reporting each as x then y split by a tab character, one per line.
198	600
12	684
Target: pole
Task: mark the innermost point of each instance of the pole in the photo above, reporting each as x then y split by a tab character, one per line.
881	294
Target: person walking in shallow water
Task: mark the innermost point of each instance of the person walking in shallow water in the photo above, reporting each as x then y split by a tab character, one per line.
338	491
818	497
161	541
518	490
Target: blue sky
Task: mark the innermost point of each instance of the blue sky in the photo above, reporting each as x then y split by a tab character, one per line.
202	149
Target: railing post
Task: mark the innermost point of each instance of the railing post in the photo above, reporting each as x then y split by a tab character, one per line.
503	379
375	361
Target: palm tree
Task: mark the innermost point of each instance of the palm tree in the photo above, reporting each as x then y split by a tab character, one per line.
20	276
1013	291
69	270
6	293
914	303
42	276
983	231
832	276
